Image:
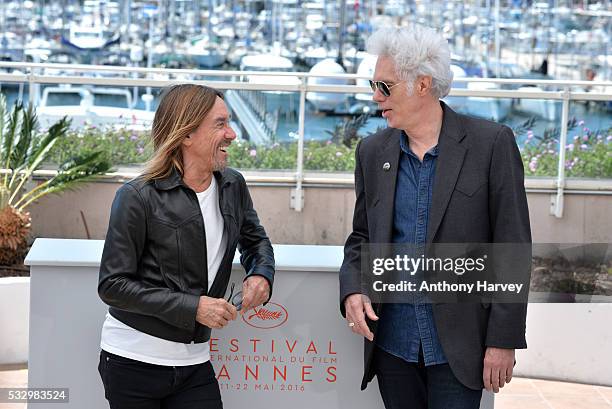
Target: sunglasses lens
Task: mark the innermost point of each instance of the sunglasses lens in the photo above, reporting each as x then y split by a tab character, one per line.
372	85
237	300
384	88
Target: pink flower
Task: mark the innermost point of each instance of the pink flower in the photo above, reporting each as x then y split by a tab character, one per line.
570	147
533	166
338	154
252	153
584	146
585	138
580	123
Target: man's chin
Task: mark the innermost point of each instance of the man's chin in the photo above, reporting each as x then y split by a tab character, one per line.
220	166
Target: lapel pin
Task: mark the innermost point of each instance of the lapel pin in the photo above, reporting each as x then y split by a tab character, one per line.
386	166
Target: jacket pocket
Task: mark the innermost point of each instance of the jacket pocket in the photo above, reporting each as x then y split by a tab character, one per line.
164	242
470	187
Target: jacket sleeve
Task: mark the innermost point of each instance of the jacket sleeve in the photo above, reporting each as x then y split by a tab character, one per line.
119	282
256	253
509	220
350	271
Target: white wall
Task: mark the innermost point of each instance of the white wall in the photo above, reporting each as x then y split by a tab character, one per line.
568	342
14	319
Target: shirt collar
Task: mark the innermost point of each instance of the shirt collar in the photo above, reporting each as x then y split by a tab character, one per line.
405	147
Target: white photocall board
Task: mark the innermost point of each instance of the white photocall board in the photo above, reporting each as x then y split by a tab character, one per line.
295	352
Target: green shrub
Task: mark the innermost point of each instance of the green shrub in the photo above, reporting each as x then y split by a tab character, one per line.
120	146
588	154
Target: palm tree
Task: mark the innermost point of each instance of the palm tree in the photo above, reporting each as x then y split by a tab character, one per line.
23	149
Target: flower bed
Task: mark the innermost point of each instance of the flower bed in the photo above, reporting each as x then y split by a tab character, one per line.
588	152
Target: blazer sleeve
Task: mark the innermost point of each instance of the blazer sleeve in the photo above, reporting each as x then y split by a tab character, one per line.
350	271
509	221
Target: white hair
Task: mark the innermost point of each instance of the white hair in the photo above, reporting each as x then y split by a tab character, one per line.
415	51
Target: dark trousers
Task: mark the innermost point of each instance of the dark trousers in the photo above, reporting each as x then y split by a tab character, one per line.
130	384
406	385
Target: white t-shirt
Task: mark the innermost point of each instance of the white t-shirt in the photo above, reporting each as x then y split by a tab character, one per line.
123	340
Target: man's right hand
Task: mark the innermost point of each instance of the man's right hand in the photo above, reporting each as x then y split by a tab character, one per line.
215	312
357	306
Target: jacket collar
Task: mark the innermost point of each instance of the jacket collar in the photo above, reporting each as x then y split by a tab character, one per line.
175	179
452	126
450	162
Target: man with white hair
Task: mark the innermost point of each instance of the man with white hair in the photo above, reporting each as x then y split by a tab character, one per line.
432	176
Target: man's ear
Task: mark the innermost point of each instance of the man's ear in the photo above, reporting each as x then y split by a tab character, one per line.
187	141
424	84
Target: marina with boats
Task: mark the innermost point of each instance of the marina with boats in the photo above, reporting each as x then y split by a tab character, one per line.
514	40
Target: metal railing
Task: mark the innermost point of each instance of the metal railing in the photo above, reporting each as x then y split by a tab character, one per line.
34	74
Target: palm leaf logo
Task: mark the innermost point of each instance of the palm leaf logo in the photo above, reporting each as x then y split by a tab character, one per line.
265	314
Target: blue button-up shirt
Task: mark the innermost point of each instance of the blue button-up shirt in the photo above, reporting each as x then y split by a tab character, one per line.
404	328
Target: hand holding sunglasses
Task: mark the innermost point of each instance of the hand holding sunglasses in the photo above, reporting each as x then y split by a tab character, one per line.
255	291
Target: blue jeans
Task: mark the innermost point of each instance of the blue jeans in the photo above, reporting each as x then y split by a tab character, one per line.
408	385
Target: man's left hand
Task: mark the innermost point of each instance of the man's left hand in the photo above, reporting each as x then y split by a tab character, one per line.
498	365
255	291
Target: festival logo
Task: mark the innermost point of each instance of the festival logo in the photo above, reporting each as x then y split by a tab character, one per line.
271	315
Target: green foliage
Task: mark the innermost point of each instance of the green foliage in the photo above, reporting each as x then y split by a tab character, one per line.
347	131
588	153
321	156
119	146
22	151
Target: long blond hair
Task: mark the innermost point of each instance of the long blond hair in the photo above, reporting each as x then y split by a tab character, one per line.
181	110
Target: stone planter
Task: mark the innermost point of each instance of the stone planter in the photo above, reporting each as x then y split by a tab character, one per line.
14	319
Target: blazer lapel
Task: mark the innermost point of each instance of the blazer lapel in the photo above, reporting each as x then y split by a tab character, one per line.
449	163
387	158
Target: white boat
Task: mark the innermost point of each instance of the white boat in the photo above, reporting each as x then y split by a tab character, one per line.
206	53
495	109
455	102
270	63
87	37
317	54
327	101
88	105
549	110
366	69
286	103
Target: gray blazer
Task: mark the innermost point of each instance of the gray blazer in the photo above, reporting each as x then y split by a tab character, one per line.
478	197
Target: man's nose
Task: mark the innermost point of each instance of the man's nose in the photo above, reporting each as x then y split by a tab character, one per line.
230	134
378	96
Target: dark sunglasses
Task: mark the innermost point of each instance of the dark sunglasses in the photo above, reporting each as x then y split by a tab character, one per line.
235	299
384	88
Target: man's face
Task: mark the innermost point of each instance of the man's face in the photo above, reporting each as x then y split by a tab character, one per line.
399	106
210	140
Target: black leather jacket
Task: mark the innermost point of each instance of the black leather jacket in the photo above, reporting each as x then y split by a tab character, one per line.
154	265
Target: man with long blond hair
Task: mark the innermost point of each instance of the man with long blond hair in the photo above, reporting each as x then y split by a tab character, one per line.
168	256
